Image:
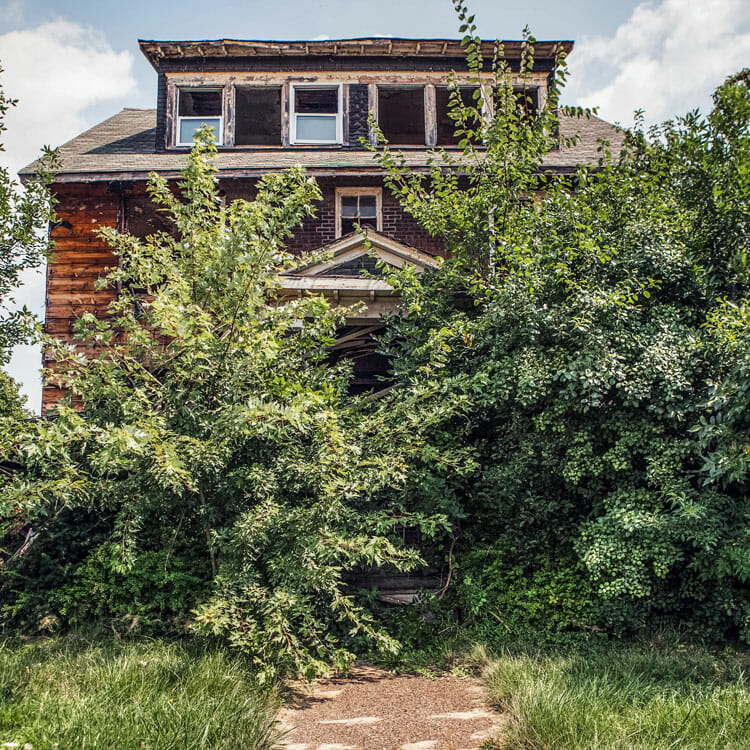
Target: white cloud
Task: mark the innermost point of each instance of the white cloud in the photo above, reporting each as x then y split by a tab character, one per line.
667	58
56	71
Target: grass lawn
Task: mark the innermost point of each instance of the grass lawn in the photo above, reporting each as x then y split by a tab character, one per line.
69	694
625	696
73	694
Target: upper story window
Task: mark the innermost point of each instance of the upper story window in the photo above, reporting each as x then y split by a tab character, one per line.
401	114
197	107
528	99
316	114
257	118
358	206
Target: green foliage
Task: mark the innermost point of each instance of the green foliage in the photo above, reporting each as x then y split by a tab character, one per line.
579	321
210	439
70	693
568	413
505	598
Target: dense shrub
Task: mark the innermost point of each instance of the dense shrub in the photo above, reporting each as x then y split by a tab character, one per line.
597	337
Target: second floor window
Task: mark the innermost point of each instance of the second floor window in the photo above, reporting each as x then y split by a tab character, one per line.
197	107
446	125
358	207
316	114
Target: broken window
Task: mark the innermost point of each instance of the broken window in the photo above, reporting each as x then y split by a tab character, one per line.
198	107
360	206
446	126
316	114
528	100
401	115
257	118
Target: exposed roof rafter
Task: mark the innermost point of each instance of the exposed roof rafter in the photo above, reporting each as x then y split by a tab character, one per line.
158	51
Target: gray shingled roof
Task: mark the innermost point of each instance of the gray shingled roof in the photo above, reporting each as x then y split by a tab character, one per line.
123	147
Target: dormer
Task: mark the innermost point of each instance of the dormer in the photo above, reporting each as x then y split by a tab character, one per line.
260	95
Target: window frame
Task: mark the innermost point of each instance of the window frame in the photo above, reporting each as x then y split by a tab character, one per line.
293	140
485	108
358	191
219	132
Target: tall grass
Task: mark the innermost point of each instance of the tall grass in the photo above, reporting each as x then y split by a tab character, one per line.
69	694
630	697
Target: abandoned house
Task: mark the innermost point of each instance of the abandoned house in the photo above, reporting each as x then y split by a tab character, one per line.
272	105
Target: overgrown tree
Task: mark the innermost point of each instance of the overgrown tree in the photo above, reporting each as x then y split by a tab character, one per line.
572	320
24	214
209	449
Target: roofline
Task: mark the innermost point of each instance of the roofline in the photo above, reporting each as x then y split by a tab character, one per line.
156	51
64	178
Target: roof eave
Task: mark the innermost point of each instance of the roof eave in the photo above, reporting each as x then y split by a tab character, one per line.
156	50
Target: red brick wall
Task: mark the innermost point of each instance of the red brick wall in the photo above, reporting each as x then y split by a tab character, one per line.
397	224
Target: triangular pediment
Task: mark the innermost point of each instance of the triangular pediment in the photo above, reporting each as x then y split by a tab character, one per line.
355	254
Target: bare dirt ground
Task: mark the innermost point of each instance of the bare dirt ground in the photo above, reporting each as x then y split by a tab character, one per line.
375	710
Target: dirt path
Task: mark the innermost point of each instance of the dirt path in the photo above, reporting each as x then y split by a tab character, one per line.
374	710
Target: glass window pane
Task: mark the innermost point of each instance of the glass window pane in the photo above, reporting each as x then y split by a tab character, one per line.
190	125
349	205
200	103
321	100
367	207
316	129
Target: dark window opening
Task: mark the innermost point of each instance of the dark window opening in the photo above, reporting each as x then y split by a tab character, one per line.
526	98
401	115
257	116
363	264
528	101
446	126
196	103
358	209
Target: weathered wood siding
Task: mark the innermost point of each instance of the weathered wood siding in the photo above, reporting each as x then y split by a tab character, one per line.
79	258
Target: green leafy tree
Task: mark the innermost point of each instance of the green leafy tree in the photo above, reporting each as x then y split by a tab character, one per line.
209	446
571	322
24	215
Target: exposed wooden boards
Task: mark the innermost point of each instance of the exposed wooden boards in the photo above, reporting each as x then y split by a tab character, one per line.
285	115
372	102
159	51
228	100
386	77
430	115
345	113
74	309
91	269
57	285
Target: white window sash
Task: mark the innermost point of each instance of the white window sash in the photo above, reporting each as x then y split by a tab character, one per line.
338	115
218	132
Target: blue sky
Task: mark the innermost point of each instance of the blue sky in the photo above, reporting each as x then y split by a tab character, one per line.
73	63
